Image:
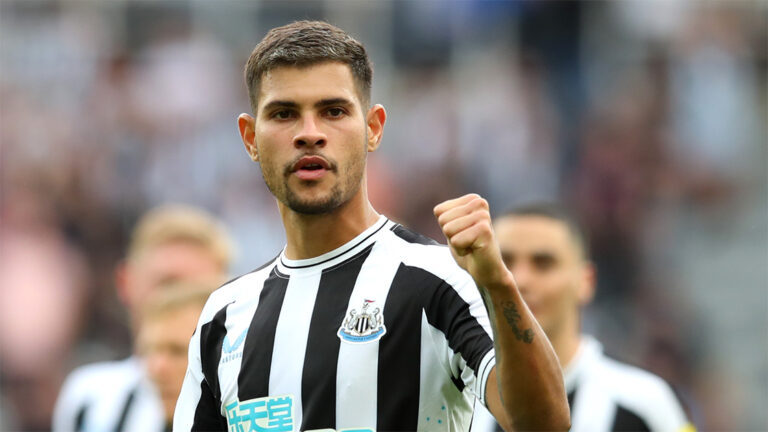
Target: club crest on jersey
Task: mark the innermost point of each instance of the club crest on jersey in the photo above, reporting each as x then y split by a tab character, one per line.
364	326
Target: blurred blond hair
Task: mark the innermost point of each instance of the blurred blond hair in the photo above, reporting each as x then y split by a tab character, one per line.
178	222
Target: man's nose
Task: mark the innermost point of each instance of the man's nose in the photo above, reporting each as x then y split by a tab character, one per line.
309	134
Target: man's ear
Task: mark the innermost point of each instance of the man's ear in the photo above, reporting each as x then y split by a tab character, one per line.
375	120
246	124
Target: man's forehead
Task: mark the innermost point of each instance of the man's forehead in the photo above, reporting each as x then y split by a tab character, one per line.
312	82
534	232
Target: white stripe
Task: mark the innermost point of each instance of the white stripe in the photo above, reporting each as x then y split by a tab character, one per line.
184	414
291	339
484	371
440	402
357	367
593	407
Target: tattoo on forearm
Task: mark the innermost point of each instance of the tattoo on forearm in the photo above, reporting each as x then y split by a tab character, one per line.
513	317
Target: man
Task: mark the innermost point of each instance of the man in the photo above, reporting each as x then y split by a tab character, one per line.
359	323
546	252
170	243
168	319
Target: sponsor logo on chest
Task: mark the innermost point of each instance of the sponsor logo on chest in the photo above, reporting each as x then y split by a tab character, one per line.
232	350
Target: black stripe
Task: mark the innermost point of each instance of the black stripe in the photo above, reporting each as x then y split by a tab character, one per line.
458	382
80	418
340	253
127	407
253	379
318	380
208	409
627	421
449	313
211	339
571	398
412	236
400	352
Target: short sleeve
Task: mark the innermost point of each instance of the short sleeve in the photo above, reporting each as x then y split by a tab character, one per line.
456	309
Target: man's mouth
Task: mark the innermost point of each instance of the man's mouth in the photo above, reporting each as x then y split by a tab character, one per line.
310	167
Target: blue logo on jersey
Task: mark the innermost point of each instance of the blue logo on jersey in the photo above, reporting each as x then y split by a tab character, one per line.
364	326
269	414
230	347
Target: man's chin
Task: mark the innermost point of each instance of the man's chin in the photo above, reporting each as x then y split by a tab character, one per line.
312	208
314	205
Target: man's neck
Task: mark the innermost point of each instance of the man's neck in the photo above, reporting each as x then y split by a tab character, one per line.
309	236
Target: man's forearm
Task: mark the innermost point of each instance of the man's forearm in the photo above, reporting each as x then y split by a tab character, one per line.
530	382
529	377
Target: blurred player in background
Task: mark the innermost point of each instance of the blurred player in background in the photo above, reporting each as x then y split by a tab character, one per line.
169	244
546	251
167	321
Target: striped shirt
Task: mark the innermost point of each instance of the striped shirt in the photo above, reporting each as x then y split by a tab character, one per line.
384	333
109	397
606	395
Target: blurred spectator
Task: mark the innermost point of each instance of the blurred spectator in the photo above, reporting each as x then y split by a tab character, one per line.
43	283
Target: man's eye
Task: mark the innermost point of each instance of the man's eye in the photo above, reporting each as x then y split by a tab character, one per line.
335	112
282	114
544	263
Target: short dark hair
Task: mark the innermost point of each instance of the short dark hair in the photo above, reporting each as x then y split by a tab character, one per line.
556	212
306	43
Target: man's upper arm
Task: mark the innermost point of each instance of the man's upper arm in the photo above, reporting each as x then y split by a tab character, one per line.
493	402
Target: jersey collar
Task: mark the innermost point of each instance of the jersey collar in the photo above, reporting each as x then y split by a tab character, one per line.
336	256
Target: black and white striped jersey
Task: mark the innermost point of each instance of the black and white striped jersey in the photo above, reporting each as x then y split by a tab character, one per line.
384	333
606	395
109	396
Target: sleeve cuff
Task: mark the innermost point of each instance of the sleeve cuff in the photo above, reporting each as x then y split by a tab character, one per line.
486	366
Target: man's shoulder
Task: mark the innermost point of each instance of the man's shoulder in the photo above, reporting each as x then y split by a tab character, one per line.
416	248
627	376
424	253
231	290
247	279
642	393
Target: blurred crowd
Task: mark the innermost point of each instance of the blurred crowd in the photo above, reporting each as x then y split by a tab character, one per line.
648	119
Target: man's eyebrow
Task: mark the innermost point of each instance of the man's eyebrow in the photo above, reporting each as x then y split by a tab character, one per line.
332	101
279	104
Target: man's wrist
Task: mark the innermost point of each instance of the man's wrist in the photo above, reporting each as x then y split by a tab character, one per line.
501	286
